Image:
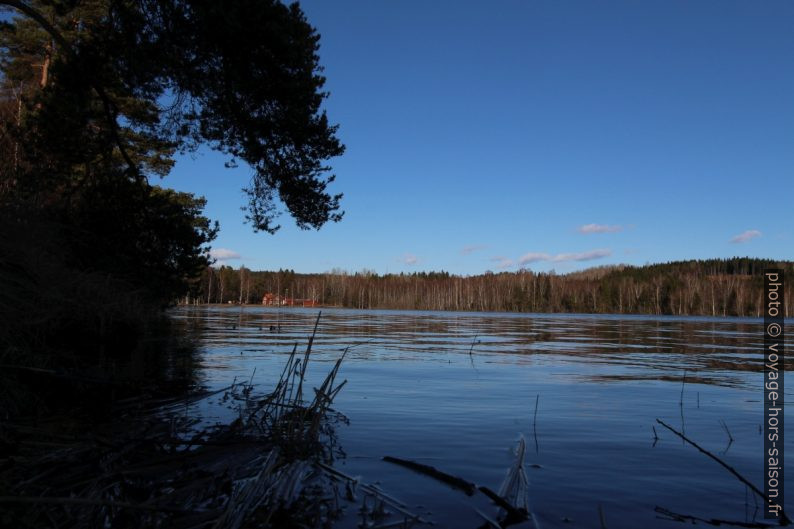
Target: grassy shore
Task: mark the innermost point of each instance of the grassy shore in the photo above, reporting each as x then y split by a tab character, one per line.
141	461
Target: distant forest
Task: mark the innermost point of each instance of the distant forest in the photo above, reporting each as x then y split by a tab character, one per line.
713	287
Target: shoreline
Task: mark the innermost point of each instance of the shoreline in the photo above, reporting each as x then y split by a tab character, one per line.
643	315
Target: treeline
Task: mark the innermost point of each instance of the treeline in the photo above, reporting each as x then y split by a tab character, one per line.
713	287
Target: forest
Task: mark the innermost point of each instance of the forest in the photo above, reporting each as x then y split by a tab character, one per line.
712	287
93	244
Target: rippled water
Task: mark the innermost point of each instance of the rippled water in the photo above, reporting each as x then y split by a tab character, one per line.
456	390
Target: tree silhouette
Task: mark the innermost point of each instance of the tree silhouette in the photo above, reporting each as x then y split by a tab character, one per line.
98	97
131	83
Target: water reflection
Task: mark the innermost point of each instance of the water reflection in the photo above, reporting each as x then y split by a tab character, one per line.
415	392
656	348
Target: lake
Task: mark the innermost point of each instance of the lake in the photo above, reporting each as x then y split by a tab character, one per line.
457	390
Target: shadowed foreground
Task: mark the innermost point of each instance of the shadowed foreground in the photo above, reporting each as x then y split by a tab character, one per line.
147	464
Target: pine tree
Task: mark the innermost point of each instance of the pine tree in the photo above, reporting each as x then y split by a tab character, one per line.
99	95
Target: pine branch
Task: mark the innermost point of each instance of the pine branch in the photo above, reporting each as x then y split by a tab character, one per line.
111	110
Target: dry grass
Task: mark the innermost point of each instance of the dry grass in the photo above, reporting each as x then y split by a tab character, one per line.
150	468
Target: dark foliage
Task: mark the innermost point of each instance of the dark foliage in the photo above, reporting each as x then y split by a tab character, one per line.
98	95
96	98
109	83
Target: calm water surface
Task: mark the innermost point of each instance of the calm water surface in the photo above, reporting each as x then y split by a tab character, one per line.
414	391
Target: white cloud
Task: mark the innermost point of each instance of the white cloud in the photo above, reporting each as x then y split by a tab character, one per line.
599	228
224	254
409	259
746	236
503	262
472	248
534	257
583	256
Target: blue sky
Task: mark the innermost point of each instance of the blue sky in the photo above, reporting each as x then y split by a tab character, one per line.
544	134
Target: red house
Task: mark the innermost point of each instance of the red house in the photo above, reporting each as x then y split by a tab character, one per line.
274	300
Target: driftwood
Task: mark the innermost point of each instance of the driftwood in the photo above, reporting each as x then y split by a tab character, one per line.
455	482
513	488
514	515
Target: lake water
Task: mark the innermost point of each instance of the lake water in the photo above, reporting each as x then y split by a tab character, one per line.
415	391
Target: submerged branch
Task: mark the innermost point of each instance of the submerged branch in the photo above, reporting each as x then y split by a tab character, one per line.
455	482
711	521
784	519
